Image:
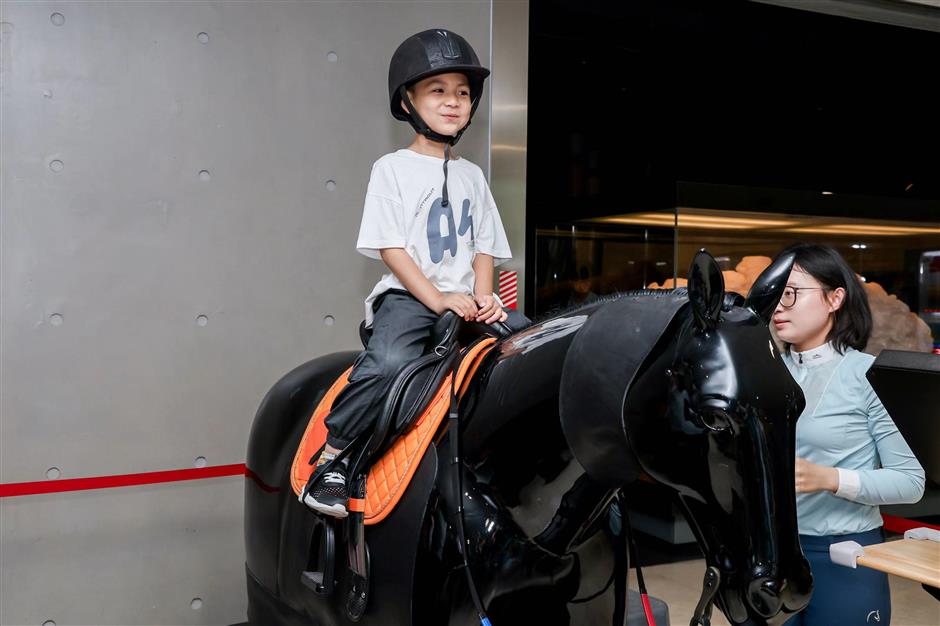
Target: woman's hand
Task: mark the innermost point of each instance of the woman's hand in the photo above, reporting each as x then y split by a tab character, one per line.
490	310
460	303
811	478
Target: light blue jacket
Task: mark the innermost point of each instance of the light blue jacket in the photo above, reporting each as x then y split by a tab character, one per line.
844	425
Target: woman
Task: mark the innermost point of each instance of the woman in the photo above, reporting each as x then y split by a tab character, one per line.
850	456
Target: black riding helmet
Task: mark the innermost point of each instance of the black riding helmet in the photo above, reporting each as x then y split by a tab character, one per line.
431	52
435	51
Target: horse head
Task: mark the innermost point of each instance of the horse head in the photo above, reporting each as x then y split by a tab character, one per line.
705	406
725	442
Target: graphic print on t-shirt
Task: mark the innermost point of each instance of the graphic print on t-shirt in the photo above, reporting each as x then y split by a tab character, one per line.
438	243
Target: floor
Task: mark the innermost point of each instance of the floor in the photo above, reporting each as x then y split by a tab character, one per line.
674	572
679	585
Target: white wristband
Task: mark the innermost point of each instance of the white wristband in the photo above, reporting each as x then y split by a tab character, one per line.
849	484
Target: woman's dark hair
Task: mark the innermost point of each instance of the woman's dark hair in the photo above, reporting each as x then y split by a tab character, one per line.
851	327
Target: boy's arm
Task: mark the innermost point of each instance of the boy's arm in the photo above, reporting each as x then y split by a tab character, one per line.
410	275
491	309
483	275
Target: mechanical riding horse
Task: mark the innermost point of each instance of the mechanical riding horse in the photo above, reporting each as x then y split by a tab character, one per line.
684	387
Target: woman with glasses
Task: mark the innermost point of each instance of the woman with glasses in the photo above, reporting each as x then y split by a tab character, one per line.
850	456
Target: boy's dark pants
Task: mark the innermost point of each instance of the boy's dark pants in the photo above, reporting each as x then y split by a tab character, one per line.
400	329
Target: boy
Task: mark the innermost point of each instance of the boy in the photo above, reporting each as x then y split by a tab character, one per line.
433	222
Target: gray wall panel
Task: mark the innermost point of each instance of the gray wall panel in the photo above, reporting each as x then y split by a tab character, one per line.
130	246
73	560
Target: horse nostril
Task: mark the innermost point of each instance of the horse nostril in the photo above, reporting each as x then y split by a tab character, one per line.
764	596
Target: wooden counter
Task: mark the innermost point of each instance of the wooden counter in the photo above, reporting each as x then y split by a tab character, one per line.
915	559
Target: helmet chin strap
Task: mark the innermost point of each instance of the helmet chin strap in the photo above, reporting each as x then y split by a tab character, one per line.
423	129
444	200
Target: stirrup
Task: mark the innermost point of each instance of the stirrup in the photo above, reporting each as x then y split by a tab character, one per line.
320	575
357	550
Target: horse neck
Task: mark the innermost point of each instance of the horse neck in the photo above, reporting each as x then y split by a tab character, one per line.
602	366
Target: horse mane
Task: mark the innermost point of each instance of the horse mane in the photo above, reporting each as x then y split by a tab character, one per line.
611	297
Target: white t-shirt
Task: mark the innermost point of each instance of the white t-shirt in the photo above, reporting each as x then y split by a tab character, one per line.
403	209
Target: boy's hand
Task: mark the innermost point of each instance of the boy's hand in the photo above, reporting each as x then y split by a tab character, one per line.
490	311
460	303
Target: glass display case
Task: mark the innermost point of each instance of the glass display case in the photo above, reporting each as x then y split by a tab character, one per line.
898	260
929	297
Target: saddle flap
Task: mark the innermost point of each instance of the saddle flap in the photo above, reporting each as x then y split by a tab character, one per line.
389	475
414	386
418	390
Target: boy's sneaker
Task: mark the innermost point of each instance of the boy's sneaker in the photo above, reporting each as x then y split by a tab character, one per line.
329	494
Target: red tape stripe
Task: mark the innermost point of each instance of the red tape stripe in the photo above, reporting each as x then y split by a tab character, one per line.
10	490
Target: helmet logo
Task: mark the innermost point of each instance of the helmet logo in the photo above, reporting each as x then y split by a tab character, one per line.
449	47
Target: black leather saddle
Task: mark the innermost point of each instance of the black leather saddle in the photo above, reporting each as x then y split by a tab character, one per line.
417	382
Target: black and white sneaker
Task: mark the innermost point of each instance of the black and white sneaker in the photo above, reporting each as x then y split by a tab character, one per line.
329	494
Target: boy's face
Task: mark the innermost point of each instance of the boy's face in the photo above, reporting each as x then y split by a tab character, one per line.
442	101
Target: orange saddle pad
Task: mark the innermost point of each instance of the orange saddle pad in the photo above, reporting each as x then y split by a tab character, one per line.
390	475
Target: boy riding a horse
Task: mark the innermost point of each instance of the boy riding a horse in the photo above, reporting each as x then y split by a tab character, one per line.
681	386
430	217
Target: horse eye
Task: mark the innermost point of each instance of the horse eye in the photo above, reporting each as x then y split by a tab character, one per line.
713	419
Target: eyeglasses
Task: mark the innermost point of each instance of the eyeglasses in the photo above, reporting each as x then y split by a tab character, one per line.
788	298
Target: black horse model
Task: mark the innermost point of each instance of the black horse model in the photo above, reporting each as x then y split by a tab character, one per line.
684	387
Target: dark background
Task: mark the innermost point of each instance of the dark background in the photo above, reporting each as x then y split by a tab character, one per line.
653	104
627	98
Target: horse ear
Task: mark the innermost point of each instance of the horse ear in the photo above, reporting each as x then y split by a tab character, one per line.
706	290
766	291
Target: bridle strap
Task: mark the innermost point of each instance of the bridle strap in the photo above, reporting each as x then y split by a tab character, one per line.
703	610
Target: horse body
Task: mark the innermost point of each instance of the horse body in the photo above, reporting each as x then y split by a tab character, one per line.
415	565
559	416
